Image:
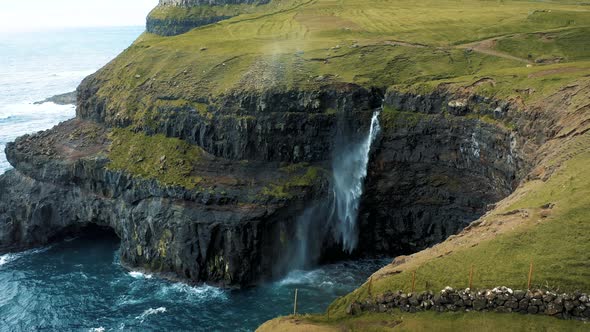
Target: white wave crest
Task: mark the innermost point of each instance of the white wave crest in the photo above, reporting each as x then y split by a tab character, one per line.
139	275
98	329
5	259
149	312
9	258
194	293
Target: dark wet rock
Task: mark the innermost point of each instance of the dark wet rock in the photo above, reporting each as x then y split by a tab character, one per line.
553	309
511	304
523	304
519	294
354	309
503	309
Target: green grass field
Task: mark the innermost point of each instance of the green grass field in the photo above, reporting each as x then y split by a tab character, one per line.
453	321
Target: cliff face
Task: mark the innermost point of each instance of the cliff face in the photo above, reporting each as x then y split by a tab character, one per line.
429	177
438	167
234	234
272	125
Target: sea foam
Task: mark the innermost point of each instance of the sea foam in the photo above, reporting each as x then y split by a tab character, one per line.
139	275
150	312
9	258
201	293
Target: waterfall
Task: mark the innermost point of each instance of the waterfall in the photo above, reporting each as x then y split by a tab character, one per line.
349	171
335	216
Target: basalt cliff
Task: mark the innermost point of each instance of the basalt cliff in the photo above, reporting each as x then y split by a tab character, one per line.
203	146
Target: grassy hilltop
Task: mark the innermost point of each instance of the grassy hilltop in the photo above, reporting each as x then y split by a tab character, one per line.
302	44
533	53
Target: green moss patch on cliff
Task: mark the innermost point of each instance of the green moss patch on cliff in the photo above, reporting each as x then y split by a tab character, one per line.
392	118
168	160
174	162
295	176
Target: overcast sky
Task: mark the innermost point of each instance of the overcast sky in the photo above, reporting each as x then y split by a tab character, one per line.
26	15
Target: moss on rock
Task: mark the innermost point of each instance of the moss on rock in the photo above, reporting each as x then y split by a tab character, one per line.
168	160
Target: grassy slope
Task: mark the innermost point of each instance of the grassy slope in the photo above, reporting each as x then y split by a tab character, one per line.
407	46
303	44
425	322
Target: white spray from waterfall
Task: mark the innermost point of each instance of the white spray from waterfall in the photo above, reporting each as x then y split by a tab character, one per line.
349	172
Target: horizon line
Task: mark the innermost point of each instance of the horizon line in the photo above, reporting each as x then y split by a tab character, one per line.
70	27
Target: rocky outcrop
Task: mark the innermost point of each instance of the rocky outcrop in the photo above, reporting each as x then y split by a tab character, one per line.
500	299
189	14
61	99
171	26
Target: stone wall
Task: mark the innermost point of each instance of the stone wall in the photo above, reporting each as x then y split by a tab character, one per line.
500	299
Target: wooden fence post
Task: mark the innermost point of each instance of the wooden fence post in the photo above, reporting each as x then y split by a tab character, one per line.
530	275
413	281
295	304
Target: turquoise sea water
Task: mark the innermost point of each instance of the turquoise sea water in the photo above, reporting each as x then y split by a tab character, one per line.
78	284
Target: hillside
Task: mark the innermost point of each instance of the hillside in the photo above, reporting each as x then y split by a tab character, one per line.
210	146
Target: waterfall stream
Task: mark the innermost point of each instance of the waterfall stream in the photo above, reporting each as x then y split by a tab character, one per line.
349	171
337	215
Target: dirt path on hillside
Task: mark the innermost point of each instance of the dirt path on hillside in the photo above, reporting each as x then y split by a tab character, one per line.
487	46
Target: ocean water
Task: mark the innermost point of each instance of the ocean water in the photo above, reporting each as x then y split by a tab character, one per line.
79	284
38	65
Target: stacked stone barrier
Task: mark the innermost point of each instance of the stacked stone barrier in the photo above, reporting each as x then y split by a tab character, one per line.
500	299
